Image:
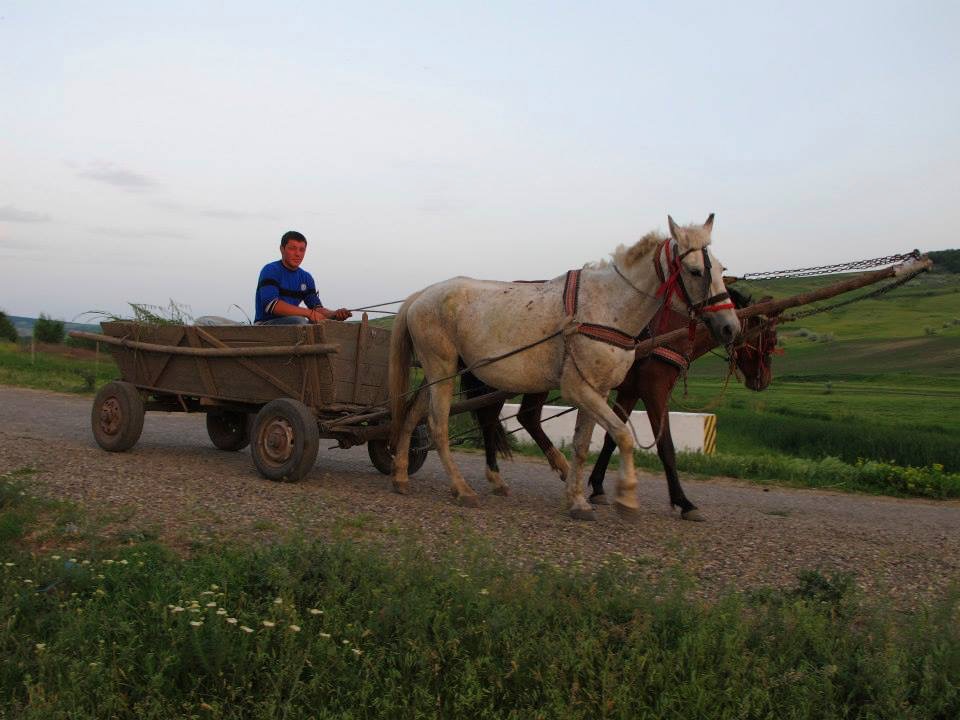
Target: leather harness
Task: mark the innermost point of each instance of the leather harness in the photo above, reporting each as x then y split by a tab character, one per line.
670	285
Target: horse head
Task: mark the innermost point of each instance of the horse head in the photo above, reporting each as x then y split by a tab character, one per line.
752	355
694	275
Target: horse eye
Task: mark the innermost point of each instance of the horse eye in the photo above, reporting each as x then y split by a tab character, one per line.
697	273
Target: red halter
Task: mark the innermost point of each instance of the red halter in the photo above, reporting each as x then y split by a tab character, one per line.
672	285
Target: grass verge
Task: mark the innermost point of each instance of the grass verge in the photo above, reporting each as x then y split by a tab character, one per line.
829	472
49	371
309	629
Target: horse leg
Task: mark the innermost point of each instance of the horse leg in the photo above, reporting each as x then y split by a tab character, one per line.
531	408
578	507
668	457
488	418
623	406
589	400
440	398
401	453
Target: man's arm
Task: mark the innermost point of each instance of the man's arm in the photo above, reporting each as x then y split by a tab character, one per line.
314	315
312	301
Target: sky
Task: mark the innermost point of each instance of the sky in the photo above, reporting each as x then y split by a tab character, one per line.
157	151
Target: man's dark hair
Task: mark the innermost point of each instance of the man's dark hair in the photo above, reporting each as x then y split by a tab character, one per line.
292	235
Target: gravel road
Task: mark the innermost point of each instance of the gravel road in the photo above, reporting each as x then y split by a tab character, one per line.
176	486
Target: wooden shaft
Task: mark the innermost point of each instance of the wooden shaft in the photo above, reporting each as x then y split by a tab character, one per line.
227	352
772	307
457	408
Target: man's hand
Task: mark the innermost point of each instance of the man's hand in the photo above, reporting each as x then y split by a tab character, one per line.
320	314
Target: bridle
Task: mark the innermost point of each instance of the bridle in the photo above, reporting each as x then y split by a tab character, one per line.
766	345
672	284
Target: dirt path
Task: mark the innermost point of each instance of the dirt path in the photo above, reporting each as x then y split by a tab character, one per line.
176	485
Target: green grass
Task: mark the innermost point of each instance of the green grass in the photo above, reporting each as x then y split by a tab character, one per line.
307	629
48	371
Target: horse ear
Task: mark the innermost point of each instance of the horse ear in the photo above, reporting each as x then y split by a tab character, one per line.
708	225
674	230
730	279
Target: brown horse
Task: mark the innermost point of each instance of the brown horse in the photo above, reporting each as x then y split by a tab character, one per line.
650	379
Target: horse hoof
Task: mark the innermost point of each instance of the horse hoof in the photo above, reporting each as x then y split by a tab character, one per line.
693	515
468	501
502	491
600	499
401	488
626	511
582	514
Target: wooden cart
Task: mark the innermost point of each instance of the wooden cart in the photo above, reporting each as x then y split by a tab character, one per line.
277	388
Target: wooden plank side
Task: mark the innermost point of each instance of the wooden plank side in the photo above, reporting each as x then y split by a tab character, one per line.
203	367
256	368
362	335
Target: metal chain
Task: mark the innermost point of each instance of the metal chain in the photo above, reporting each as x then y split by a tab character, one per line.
866	296
832	269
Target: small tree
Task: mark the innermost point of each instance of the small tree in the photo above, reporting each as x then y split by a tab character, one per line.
48	330
7	330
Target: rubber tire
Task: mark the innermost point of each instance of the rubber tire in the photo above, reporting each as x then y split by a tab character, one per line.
382	459
126	405
229	431
305	440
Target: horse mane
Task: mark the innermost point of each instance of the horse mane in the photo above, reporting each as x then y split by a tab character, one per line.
626	256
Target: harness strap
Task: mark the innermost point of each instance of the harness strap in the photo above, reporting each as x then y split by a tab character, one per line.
671	357
594	331
609	335
571	292
671	284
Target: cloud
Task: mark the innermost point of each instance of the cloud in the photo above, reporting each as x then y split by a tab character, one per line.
118	177
216	213
138	233
9	213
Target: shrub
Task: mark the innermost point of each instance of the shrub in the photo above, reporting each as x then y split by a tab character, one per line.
7	330
48	330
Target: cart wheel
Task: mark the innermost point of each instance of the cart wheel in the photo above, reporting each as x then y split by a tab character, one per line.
382	459
285	440
117	416
228	430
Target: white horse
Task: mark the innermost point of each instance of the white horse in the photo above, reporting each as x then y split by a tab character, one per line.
581	328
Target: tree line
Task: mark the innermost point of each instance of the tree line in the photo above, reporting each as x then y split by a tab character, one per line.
45	329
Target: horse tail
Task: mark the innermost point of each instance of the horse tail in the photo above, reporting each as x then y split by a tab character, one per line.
486	418
398	374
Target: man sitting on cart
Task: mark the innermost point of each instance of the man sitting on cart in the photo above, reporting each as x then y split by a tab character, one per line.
283	285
